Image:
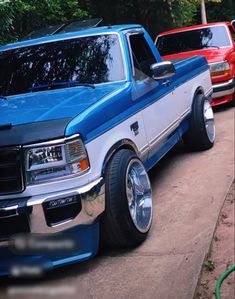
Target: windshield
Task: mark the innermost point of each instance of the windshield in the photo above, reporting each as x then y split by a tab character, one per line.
84	60
190	40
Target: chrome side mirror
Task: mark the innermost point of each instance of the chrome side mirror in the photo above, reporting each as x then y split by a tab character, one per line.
162	70
233	23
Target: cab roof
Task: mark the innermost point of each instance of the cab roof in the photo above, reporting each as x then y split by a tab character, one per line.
57	37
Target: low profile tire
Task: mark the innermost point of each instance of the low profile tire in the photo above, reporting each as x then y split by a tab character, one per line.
128	204
201	133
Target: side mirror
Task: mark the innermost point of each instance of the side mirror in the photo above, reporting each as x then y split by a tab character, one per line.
233	23
162	70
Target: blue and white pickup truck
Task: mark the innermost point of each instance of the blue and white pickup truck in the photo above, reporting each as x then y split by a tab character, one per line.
83	117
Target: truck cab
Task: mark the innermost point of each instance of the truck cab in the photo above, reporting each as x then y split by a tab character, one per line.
216	42
84	116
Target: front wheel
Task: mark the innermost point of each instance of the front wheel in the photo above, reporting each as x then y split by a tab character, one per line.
201	133
128	212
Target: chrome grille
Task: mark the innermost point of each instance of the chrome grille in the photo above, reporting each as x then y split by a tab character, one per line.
11	180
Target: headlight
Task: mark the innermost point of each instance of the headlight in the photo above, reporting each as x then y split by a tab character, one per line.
219	69
50	161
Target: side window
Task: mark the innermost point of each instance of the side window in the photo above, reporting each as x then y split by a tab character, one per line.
232	32
142	56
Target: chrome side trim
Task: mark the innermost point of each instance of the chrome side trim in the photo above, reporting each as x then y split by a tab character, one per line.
144	151
164	133
186	112
168	130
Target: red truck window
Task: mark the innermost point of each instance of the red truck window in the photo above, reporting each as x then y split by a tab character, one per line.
195	39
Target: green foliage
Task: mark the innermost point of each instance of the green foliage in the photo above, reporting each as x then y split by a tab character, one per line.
221	11
154	15
182	11
224	11
158	15
19	17
6	21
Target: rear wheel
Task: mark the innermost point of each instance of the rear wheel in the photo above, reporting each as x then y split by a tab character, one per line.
201	133
128	212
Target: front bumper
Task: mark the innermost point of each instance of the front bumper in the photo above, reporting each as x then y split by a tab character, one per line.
73	211
223	89
33	210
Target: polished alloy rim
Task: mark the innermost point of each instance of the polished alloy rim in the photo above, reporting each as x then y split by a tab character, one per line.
139	195
209	121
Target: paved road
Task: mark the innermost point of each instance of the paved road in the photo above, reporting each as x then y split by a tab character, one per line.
188	189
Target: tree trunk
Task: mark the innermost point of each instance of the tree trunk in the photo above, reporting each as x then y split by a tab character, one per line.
203	12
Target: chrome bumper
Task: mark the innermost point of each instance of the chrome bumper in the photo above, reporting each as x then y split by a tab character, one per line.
223	89
91	200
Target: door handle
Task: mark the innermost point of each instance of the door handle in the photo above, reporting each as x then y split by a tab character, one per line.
166	83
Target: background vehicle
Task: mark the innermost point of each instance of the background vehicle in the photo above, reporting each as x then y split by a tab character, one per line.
84	116
215	41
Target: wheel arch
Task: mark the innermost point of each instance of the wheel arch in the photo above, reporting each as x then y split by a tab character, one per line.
198	91
121	144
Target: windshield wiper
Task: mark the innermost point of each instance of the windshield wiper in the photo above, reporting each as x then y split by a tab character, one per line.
207	46
59	85
204	46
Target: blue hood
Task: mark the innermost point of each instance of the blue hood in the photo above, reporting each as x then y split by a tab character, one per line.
53	104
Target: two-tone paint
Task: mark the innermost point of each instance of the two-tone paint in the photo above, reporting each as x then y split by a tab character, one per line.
147	116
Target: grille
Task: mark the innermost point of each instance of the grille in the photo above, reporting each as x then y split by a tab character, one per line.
11	180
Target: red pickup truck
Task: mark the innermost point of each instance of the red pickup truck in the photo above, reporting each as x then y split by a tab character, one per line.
215	41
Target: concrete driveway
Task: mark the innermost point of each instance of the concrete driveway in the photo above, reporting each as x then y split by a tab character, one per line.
189	190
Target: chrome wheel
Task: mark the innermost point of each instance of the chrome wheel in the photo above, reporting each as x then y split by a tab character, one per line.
139	195
209	121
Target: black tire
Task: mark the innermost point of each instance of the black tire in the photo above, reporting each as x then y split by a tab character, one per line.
198	137
232	103
117	226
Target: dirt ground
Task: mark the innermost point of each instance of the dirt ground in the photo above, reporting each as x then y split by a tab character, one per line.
221	255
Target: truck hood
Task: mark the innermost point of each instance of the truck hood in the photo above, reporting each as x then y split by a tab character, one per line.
51	105
211	54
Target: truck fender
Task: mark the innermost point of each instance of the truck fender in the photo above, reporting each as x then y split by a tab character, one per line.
121	144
